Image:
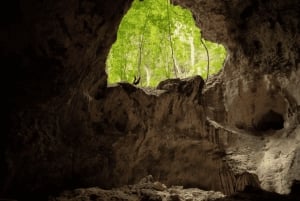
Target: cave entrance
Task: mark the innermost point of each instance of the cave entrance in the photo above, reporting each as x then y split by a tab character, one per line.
156	41
270	121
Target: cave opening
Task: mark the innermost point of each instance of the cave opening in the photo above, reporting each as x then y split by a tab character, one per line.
157	40
295	189
270	121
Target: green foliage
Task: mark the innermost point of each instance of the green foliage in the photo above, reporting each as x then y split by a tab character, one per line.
148	34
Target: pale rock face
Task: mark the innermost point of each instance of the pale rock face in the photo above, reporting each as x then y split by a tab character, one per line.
274	159
273	155
279	165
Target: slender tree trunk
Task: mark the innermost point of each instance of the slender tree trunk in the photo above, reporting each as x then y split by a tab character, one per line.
141	45
124	69
207	54
175	67
192	51
148	75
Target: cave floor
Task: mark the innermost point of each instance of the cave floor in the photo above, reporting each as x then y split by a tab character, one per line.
149	190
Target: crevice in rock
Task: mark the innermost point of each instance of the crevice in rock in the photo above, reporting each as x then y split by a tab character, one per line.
270	121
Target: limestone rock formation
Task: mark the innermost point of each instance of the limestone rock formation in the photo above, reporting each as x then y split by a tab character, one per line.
65	128
149	190
145	191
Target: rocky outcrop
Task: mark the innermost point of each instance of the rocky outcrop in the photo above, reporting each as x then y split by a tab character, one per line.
148	189
65	128
144	190
258	85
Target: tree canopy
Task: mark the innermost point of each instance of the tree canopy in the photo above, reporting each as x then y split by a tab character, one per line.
156	41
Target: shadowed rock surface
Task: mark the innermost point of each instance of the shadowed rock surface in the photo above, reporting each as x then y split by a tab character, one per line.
145	190
155	191
65	128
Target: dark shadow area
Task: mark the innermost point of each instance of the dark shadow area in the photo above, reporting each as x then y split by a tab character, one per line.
295	189
270	121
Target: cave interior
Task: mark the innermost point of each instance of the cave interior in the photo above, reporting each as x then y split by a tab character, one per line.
237	133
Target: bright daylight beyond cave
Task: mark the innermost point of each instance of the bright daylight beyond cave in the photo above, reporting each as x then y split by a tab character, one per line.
156	41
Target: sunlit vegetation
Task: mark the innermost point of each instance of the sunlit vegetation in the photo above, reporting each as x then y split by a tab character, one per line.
156	41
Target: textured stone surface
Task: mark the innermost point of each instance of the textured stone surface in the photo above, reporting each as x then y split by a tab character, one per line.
65	128
144	190
259	85
148	189
54	53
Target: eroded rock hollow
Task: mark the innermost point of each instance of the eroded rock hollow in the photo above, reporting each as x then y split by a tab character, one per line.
66	128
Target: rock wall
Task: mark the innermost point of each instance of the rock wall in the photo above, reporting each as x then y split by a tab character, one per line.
65	128
53	55
260	82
